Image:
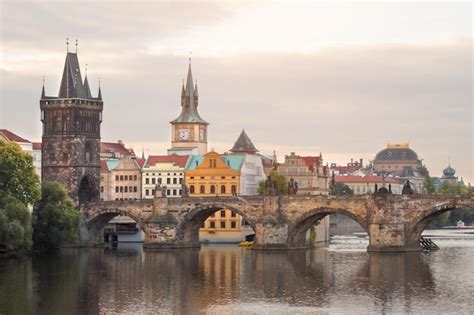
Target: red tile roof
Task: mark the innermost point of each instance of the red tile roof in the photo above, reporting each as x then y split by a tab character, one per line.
311	161
13	137
103	166
118	147
366	179
141	162
179	160
37	145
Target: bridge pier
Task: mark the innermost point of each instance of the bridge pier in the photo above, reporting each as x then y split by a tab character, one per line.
391	237
271	236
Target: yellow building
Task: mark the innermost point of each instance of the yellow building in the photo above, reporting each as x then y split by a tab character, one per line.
217	175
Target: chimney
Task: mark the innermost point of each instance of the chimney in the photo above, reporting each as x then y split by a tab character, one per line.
361	163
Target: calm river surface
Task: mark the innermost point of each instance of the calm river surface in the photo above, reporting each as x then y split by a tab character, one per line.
342	278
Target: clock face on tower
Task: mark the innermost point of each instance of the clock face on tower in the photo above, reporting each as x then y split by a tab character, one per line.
184	134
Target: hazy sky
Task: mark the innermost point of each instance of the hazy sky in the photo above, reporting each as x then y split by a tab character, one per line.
338	78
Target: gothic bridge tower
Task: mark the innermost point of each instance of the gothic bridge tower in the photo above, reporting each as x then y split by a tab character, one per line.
189	130
71	134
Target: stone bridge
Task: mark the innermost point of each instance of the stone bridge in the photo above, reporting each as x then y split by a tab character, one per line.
393	222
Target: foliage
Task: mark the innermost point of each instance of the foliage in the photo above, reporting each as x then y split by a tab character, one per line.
18	177
338	189
281	184
369	167
57	222
453	189
15	225
428	186
452	217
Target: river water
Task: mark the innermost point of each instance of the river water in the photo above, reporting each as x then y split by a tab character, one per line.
341	278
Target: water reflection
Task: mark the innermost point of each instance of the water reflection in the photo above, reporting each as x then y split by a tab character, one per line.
228	279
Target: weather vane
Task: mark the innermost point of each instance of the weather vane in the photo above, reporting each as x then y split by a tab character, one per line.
76	45
67	44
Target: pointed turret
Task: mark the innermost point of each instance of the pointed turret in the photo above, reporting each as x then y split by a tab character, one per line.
87	88
43	95
243	144
99	94
196	89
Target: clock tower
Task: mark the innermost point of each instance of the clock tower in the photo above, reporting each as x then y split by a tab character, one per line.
189	130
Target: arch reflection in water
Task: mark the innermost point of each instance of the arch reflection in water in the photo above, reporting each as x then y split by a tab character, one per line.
230	279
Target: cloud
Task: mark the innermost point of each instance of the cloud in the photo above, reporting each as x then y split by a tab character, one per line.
346	101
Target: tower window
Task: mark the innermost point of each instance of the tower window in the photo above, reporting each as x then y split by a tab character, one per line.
202	189
191	189
213	189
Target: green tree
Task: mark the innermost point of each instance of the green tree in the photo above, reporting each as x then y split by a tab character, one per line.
451	217
18	177
338	189
281	184
428	186
15	225
56	220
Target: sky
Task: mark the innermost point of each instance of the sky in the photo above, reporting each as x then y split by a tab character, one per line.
341	78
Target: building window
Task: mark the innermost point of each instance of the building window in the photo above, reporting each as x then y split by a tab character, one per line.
101	189
175	180
168	181
135	177
147	192
159	181
116	189
191	189
116	177
121	177
147	180
174	192
153	181
222	189
135	189
125	177
202	189
121	188
213	189
233	225
233	214
126	189
168	192
192	177
234	190
222	224
180	180
212	225
222	213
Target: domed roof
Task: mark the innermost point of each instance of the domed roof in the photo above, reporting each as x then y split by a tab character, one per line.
397	153
449	171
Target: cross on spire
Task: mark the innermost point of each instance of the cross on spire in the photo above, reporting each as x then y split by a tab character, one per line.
76	44
67	44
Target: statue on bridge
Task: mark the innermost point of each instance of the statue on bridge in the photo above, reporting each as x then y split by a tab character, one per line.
292	187
407	190
160	192
270	186
184	190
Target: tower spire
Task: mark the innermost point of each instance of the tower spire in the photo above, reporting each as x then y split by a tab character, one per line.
43	95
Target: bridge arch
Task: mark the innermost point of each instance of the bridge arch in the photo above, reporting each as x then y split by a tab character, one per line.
297	231
188	228
427	216
96	223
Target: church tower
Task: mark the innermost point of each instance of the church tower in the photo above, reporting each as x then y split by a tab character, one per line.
71	134
189	130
